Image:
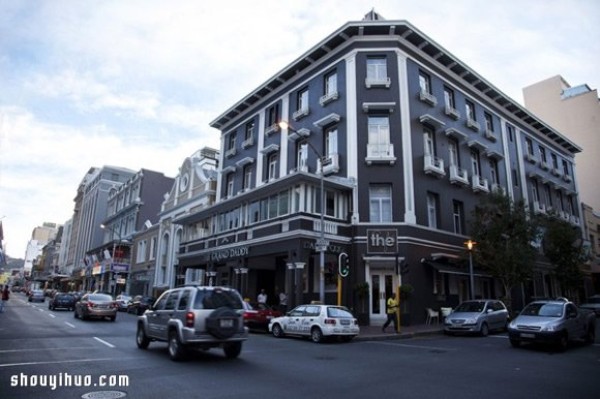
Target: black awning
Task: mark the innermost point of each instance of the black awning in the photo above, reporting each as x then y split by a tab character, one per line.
448	268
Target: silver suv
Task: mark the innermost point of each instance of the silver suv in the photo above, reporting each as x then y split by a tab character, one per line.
195	316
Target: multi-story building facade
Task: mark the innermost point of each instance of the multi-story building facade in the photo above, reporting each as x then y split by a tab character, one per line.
91	205
130	208
405	139
40	236
194	189
143	261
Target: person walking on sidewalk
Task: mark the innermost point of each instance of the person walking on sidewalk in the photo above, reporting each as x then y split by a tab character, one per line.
392	310
5	296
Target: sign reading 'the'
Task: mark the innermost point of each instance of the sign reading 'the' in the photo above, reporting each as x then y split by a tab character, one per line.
382	241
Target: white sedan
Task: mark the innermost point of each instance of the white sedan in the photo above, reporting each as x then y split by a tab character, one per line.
316	322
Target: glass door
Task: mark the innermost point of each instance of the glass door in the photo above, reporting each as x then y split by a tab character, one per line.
383	284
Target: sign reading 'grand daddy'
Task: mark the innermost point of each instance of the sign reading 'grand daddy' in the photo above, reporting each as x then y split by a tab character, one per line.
229	253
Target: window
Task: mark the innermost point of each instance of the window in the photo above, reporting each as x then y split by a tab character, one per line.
379	136
141	251
380	203
273	115
331	83
529	145
554	161
511	132
302	157
457	216
534	191
229	185
272	166
432	207
475	163
377	71
561	200
494	171
424	82
489	123
565	168
302	101
231	141
249	134
331	141
548	194
470	110
152	248
247	183
449	100
453	152
428	142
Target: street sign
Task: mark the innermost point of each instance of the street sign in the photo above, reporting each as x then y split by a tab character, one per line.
322	243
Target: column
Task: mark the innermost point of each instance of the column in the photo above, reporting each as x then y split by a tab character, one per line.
299	282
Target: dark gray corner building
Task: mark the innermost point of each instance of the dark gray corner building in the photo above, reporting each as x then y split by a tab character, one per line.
405	138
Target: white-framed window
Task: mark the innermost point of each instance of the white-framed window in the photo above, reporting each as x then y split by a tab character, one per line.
141	251
377	69
380	203
565	168
428	142
432	207
475	163
534	190
494	171
529	145
229	185
453	153
152	254
470	110
457	216
379	134
249	133
272	166
247	183
424	82
302	156
449	100
331	84
489	122
331	141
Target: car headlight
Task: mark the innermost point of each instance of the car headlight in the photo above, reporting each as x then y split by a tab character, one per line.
550	327
471	321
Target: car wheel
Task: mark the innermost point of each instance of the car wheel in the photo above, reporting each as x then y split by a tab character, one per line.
277	331
113	318
176	348
563	342
515	343
232	350
316	335
141	339
49	307
215	326
590	337
484	331
75	315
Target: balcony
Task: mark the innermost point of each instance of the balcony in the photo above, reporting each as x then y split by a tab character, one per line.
301	113
539	208
434	166
327	98
377	82
330	165
567	178
497	188
480	184
459	175
531	158
452	112
490	135
427	98
274	128
574	220
249	142
230	152
380	153
473	125
556	172
544	165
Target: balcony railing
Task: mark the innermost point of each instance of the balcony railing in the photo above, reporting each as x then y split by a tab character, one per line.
459	175
330	165
480	184
452	112
327	98
434	166
473	125
428	98
380	153
377	82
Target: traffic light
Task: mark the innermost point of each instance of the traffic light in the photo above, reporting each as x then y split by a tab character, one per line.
403	268
344	264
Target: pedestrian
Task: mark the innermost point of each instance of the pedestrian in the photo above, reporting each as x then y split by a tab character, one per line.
282	302
262	297
391	310
5	297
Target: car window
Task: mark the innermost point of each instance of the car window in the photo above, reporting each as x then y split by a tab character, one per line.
475	306
543	310
160	304
184	300
312	311
338	312
298	311
217	298
172	300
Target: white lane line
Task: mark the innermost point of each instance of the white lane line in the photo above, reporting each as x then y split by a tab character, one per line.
40	309
52	315
45	349
67	361
104	342
69	324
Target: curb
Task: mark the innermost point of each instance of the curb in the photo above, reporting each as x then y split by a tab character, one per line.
391	336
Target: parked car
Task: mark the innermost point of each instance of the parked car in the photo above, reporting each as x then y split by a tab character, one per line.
123	302
62	300
593	303
37	296
477	316
139	304
195	316
96	306
317	322
554	322
258	315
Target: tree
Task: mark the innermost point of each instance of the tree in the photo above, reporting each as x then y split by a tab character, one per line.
563	247
504	234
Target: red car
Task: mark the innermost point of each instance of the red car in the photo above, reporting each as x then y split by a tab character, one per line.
258	315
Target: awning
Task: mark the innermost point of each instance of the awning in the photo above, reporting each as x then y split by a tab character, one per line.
453	269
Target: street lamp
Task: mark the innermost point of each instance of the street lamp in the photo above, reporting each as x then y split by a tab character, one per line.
321	243
470	245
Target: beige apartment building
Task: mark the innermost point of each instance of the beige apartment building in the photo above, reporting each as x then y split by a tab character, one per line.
575	112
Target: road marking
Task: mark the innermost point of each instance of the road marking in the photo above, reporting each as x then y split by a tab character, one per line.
104	342
45	349
68	361
69	324
40	309
52	315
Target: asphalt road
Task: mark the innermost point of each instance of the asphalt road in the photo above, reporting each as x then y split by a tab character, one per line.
51	348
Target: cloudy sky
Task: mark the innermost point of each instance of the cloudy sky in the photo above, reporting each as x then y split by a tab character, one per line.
135	83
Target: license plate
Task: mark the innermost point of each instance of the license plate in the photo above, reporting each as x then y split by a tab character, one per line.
226	323
345	322
526	335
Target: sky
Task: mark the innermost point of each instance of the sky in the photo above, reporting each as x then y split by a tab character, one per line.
135	83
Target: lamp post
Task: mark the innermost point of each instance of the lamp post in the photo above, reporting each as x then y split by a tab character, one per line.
321	243
470	245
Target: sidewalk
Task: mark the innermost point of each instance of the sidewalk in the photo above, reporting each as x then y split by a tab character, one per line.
374	333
